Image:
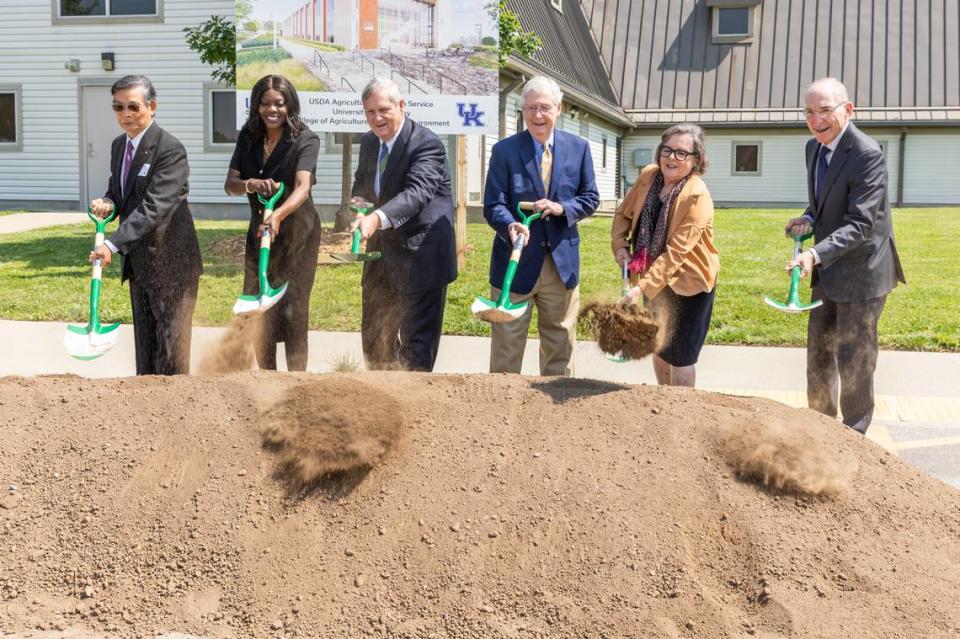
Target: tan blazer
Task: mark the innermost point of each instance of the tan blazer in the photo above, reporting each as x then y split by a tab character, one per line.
690	262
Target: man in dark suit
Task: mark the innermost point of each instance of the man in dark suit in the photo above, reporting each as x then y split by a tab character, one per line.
403	171
854	261
161	258
554	170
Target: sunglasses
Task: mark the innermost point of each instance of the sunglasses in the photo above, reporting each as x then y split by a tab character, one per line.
133	107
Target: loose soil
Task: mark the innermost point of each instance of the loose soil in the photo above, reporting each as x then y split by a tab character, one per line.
625	329
410	505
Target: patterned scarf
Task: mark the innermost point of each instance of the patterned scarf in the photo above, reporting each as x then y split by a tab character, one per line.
650	239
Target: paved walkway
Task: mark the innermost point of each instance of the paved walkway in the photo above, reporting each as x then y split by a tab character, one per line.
918	397
17	222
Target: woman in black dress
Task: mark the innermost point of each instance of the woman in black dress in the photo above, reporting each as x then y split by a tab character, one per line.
276	146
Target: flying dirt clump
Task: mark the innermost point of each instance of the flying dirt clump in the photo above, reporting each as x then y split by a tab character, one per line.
330	427
786	459
619	328
234	351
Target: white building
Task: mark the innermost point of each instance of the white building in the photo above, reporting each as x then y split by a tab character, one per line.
56	69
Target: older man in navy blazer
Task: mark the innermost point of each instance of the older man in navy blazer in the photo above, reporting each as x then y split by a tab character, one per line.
554	170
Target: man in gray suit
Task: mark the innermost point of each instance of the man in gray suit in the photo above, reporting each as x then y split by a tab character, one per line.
854	262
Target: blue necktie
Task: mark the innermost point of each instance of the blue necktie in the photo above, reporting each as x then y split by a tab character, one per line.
381	167
822	167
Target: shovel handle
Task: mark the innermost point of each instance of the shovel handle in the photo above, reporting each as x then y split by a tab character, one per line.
269	204
102	222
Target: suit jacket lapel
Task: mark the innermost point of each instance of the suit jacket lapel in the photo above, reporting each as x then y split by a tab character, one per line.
116	168
528	156
393	160
559	146
811	179
836	164
141	157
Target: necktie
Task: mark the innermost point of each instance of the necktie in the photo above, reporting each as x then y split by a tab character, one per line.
822	167
381	167
127	161
546	167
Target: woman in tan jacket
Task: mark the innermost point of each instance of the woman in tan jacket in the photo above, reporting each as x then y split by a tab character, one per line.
663	230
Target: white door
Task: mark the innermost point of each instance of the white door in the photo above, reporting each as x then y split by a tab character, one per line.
99	129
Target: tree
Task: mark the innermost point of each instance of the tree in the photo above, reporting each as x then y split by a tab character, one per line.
216	42
244	9
251	26
513	39
488	41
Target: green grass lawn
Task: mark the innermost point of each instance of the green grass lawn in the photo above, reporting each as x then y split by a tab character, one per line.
43	276
12	212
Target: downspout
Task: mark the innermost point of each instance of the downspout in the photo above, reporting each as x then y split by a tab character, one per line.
903	153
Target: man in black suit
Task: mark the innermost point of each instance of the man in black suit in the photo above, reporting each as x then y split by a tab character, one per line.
854	261
403	171
161	258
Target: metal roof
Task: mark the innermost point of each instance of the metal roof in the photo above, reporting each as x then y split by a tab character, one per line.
569	51
899	59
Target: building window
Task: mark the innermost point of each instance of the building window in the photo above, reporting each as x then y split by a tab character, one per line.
732	20
70	10
11	131
603	164
557	4
746	158
220	123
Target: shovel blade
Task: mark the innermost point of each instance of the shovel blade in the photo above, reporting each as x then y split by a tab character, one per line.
348	258
489	311
792	308
255	305
85	343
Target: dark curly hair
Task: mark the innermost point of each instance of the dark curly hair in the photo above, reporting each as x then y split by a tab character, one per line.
293	125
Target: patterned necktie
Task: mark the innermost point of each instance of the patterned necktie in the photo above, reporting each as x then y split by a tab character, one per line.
546	167
127	161
822	167
381	167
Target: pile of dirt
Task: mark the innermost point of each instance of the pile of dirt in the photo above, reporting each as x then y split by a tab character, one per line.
456	506
625	329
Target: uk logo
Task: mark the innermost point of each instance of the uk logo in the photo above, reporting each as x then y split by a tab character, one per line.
471	117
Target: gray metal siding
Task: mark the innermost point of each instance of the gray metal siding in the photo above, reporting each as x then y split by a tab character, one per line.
898	58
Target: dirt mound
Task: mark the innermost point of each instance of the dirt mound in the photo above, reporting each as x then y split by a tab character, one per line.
499	506
326	429
627	329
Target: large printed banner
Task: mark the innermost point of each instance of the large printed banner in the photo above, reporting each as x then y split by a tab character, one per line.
441	53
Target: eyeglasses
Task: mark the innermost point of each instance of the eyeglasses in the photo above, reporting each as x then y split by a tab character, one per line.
538	109
824	112
133	107
679	154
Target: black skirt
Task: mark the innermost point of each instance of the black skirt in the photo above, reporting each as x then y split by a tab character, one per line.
685	321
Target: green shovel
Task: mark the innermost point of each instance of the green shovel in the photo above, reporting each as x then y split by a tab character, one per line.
359	208
256	304
793	303
503	310
93	340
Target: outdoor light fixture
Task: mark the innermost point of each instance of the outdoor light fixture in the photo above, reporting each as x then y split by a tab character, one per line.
106	60
73	64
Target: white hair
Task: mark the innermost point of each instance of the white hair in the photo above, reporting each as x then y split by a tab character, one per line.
832	86
542	84
384	85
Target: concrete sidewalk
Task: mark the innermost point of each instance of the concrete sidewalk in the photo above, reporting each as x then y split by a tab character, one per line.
918	398
17	222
